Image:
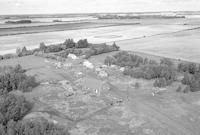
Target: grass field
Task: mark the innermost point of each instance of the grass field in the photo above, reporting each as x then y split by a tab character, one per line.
69	99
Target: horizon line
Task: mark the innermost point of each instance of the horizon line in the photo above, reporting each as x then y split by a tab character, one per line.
78	13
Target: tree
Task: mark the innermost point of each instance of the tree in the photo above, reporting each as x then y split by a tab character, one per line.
187	79
43	47
13	107
69	43
192	68
115	46
83	43
32	127
166	62
24	50
186	89
161	82
137	85
109	60
19	52
179	89
14	78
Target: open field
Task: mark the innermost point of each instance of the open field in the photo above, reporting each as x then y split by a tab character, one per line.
86	103
51	27
181	45
166	37
105	33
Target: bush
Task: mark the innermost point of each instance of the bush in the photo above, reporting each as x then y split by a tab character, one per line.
161	82
151	72
193	81
1	57
53	48
9	56
166	62
15	79
125	59
137	85
87	52
109	60
179	89
186	89
33	127
102	48
13	107
191	68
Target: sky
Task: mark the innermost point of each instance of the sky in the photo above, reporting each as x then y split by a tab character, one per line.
94	6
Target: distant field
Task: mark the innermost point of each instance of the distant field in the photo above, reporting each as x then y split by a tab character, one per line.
95	35
49	28
164	37
181	45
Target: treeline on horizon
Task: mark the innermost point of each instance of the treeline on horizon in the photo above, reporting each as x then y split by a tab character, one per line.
19	22
115	16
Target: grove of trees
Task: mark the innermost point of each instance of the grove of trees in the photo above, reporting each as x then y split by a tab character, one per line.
14	107
139	67
14	78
